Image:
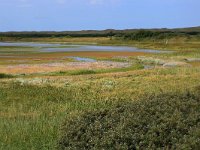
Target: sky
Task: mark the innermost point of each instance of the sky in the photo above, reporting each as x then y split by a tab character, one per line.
66	15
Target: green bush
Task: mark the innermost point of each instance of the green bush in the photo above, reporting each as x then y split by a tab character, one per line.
2	75
169	121
82	72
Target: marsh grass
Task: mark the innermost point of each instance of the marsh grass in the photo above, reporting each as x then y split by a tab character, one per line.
31	115
97	71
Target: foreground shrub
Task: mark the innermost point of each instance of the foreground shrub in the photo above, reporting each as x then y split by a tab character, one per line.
170	121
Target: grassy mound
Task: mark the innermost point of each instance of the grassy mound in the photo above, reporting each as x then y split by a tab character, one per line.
170	121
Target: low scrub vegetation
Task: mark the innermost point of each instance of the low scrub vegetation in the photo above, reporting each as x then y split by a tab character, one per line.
102	33
167	121
2	75
149	34
32	109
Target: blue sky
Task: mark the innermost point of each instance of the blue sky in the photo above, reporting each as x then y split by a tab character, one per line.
62	15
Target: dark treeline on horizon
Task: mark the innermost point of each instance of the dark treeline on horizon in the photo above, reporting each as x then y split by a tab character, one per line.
131	34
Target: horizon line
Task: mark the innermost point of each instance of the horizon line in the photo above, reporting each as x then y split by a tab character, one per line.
156	28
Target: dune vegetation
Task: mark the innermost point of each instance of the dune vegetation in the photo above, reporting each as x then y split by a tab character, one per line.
122	100
165	121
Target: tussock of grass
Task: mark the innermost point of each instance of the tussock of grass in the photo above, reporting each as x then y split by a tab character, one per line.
169	121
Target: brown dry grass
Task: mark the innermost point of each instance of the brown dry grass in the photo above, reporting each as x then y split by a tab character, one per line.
195	64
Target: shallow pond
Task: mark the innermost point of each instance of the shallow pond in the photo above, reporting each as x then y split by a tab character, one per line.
91	48
83	59
46	47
